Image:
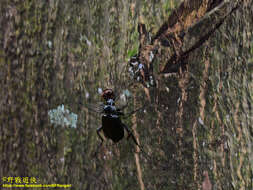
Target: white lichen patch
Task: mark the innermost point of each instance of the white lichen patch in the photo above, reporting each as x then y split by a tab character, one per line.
63	117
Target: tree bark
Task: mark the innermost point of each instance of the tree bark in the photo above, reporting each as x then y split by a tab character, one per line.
187	28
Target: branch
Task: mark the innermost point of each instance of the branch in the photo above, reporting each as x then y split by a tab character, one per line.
199	32
188	27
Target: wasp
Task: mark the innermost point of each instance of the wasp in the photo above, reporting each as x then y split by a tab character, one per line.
112	126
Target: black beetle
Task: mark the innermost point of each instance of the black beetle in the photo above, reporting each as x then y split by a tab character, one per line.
112	126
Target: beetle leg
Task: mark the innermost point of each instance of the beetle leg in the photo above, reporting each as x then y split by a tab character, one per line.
130	134
134	139
127	129
98	133
102	140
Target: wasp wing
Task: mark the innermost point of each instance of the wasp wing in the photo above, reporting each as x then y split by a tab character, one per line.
122	99
98	108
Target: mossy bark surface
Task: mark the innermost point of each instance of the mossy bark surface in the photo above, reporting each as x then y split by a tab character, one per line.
198	119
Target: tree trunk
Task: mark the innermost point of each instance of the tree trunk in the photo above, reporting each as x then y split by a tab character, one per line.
196	128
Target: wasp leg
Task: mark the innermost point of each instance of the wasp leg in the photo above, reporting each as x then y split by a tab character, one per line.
130	134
